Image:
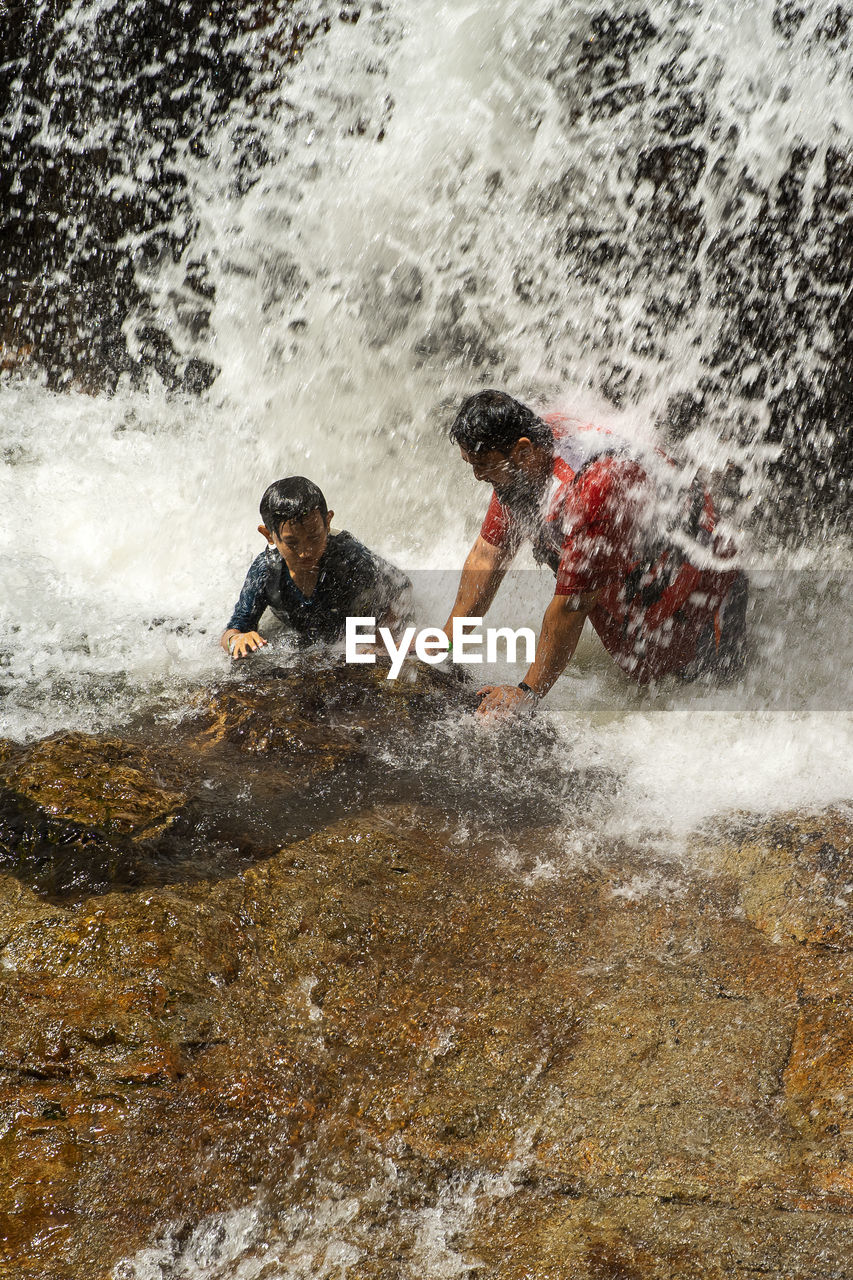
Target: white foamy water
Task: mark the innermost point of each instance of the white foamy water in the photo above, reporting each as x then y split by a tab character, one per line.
400	248
334	1232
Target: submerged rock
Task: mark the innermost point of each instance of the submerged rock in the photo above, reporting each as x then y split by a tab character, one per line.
267	755
79	814
305	711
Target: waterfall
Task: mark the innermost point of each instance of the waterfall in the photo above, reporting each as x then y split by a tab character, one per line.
242	242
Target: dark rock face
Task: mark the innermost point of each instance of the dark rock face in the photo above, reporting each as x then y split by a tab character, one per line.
740	271
385	1045
95	113
774	264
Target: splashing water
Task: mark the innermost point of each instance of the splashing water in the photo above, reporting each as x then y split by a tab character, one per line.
579	205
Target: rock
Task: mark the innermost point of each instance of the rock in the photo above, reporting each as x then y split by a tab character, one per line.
383	1045
72	290
568	1238
96	782
795	876
570	1042
315	715
81	814
819	1090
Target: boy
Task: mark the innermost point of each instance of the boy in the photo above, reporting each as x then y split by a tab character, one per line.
310	578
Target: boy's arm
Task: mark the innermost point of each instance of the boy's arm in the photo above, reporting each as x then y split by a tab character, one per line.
239	644
240	637
395	598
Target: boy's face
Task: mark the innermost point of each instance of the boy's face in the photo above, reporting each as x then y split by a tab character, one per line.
301	543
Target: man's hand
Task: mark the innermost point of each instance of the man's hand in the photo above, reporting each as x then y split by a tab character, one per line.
499	701
561	629
241	643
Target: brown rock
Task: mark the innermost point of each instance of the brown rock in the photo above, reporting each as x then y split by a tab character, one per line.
382	1049
794	875
97	782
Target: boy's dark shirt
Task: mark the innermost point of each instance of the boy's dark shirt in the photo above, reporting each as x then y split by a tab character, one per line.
352	581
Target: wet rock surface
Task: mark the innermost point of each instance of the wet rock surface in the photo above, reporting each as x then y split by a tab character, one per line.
796	877
417	1040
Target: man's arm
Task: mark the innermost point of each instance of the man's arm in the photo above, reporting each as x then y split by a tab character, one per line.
561	629
481	576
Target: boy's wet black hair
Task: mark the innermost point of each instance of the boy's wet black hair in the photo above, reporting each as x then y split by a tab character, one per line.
293	498
493	420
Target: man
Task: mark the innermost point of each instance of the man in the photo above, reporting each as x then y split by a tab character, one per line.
631	551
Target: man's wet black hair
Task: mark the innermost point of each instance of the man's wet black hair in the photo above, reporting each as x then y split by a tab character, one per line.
293	498
493	420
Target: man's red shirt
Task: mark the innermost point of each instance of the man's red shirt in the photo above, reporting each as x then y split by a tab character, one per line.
602	527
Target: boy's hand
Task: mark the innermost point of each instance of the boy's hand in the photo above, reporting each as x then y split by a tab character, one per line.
242	643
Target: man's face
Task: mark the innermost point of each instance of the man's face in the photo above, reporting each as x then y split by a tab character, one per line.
301	543
487	464
501	470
